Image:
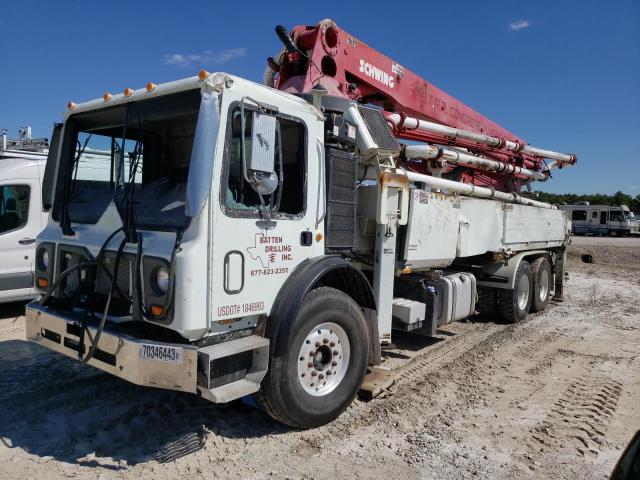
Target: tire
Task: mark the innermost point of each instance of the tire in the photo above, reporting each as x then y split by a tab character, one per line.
327	322
542	281
487	304
514	304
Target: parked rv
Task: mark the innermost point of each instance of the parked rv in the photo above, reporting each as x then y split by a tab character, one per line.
601	219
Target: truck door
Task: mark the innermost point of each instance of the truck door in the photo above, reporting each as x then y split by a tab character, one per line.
19	226
258	239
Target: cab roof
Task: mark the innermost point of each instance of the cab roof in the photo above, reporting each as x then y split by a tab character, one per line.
220	80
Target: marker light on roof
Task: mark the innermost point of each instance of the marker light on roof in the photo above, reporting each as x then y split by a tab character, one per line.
127	92
106	97
71	105
203	74
151	87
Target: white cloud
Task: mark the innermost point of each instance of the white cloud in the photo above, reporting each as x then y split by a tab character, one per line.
518	25
205	58
634	187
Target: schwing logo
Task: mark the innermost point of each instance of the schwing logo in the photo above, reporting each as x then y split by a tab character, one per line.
377	74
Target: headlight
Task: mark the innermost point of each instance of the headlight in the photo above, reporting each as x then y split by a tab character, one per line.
43	259
161	280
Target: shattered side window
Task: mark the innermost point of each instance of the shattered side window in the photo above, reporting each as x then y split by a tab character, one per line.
238	194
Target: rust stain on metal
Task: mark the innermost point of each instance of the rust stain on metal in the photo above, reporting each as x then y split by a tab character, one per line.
396	180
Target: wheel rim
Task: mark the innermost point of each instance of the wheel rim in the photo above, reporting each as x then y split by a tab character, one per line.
323	359
523	292
543	285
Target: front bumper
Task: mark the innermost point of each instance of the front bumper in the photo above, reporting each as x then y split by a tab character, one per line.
118	354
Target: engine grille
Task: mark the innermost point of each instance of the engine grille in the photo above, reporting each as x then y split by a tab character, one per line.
341	200
92	284
124	278
68	257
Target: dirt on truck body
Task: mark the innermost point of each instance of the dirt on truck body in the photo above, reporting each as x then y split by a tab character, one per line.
553	397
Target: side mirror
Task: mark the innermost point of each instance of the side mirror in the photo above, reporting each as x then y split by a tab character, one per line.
263	139
48	179
263	152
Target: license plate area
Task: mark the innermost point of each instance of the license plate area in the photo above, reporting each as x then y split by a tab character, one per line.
161	353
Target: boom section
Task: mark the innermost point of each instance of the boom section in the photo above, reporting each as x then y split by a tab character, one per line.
325	55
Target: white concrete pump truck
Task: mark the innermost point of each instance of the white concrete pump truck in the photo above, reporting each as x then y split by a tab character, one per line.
268	239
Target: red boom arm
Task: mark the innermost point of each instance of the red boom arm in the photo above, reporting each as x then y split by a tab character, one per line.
347	67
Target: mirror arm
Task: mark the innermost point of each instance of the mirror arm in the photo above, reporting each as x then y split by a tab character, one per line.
242	142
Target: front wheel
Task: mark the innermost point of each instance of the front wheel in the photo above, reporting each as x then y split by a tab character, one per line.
316	376
514	304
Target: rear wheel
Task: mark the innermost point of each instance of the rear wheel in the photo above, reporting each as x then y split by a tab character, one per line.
541	291
487	304
514	304
315	377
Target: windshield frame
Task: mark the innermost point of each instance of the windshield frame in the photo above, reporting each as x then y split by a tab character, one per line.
66	158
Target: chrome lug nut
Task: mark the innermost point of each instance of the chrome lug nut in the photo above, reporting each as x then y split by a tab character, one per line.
332	344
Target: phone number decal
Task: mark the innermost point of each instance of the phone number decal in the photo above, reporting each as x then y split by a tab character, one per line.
259	272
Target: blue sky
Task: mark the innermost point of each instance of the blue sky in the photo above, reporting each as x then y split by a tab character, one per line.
562	74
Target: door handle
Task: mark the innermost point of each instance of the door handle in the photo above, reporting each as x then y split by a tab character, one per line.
27	241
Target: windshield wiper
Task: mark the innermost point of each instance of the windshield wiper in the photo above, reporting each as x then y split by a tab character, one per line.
124	201
129	191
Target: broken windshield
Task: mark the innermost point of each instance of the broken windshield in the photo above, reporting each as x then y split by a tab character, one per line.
146	145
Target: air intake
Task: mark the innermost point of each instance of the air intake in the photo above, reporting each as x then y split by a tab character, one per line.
379	130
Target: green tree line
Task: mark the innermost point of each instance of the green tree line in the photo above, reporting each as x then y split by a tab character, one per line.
616	199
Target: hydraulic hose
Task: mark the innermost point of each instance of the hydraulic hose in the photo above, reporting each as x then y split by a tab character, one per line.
286	40
105	313
96	261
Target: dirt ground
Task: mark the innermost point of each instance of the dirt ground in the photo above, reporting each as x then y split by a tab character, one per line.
557	396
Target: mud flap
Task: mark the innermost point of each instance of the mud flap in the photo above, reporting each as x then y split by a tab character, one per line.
558	274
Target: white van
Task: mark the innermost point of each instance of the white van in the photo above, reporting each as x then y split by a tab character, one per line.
21	217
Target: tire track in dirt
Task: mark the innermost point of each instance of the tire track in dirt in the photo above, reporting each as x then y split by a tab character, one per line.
578	419
445	353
